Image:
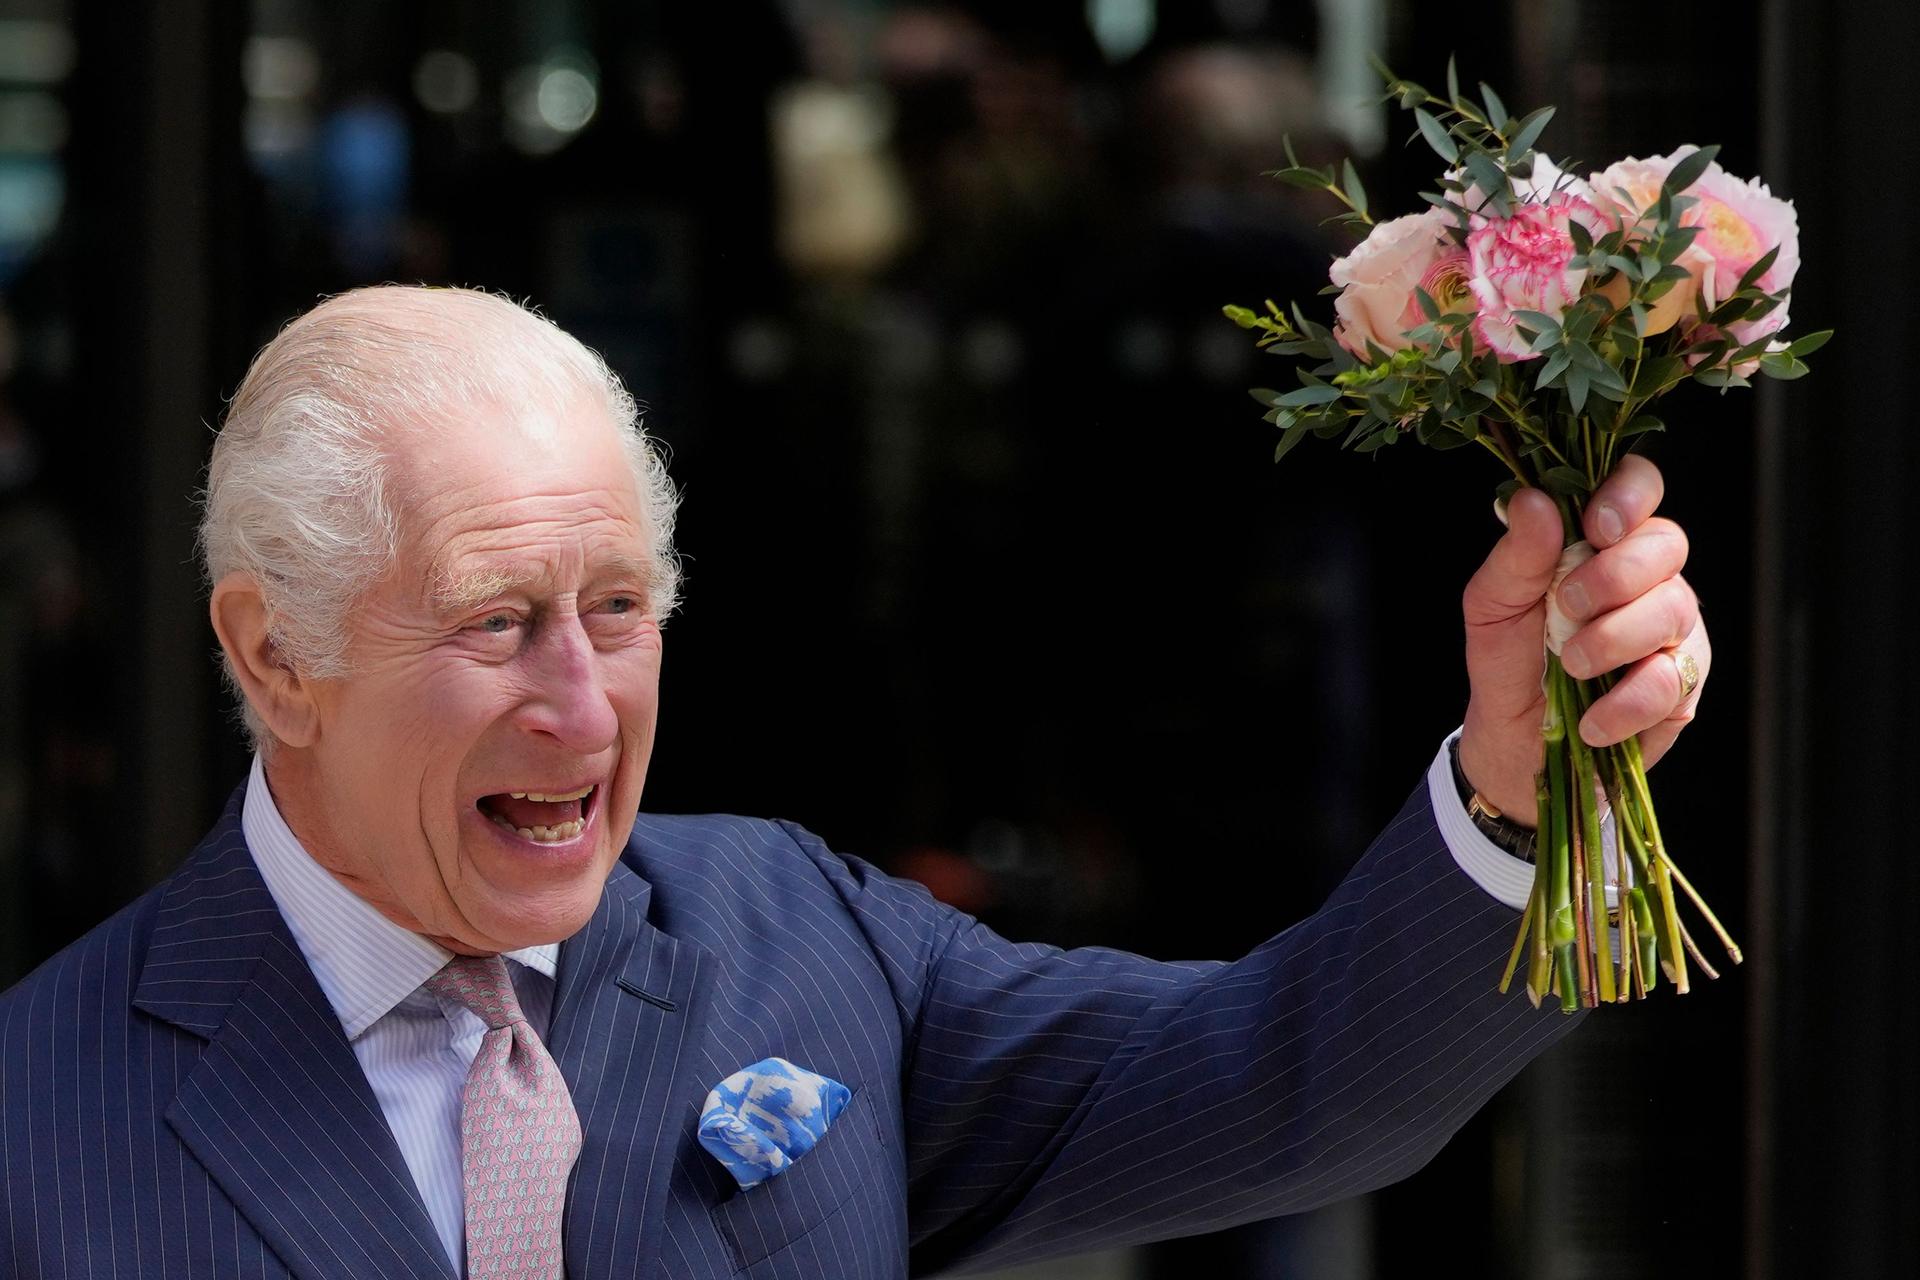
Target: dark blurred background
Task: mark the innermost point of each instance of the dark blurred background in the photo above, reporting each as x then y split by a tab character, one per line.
923	298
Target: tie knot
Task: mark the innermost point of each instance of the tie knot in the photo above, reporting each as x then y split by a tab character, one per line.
481	984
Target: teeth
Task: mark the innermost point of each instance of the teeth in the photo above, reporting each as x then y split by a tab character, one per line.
581	794
544	835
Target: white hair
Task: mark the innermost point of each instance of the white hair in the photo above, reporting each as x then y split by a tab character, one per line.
298	492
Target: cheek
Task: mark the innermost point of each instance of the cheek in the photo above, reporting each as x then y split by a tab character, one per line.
632	673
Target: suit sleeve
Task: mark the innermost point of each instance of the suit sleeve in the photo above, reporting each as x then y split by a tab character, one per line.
1060	1101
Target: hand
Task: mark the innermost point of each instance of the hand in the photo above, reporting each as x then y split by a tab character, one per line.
1635	611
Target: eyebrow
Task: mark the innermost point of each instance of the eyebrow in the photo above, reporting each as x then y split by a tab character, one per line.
452	595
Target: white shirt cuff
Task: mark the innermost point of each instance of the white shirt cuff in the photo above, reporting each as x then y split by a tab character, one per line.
1507	879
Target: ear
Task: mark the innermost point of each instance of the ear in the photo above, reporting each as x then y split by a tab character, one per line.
279	695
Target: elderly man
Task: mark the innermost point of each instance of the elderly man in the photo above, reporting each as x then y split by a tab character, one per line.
433	997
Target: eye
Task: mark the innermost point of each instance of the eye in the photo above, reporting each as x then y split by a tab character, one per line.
496	624
622	605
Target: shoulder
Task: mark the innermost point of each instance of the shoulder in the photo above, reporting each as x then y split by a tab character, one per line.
92	980
755	867
758	857
87	983
72	1018
723	875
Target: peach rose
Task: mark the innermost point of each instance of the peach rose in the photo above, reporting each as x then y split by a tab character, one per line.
1377	303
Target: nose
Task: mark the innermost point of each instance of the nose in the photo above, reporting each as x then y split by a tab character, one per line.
569	700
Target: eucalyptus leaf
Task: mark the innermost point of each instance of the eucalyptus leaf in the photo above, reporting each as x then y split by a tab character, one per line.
1758	269
1436	135
1576	388
1555	365
1293	436
1308	395
1491	179
1355	192
1496	109
1529	131
1810	343
1538	321
1567	482
1309	179
1688	170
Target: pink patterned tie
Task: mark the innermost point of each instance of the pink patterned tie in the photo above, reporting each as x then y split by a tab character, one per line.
519	1135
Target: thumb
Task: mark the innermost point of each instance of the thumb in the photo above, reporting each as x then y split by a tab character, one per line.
1505	605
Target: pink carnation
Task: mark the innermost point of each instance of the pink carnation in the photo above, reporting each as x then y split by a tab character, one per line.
1521	263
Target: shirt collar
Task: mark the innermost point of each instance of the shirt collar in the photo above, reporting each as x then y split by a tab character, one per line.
365	963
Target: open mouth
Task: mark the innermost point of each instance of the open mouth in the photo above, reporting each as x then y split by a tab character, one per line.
542	817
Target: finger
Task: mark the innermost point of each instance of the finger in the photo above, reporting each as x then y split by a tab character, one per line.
1517	571
1658	619
1623	501
1505	611
1649	701
1651	554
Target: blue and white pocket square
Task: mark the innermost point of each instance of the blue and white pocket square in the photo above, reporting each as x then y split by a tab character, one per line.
762	1118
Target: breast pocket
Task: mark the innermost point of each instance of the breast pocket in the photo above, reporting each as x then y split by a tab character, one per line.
759	1221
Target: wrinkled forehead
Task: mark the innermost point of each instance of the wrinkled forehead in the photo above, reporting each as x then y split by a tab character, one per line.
497	490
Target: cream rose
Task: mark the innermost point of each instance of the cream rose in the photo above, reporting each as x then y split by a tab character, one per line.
1377	303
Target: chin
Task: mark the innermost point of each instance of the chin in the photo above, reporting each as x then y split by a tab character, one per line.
537	890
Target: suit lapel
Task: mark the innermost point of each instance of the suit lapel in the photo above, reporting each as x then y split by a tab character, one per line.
277	1108
627	1011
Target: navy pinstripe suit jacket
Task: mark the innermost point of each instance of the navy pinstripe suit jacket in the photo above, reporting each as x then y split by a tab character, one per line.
178	1099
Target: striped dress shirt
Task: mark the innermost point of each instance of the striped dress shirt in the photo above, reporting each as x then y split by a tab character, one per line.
415	1048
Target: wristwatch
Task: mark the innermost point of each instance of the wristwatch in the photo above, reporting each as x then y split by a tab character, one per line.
1508	836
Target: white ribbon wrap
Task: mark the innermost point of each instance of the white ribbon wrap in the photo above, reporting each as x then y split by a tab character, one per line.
1560	627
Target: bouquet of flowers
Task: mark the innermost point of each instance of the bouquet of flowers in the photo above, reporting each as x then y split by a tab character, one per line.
1539	317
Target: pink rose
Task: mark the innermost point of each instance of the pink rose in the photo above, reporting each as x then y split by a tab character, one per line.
1377	303
1522	263
1738	221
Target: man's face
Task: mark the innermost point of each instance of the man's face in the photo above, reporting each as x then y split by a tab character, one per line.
511	654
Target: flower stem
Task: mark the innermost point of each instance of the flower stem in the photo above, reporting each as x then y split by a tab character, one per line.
1576	697
1700	905
1519	945
1501	454
1560	894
